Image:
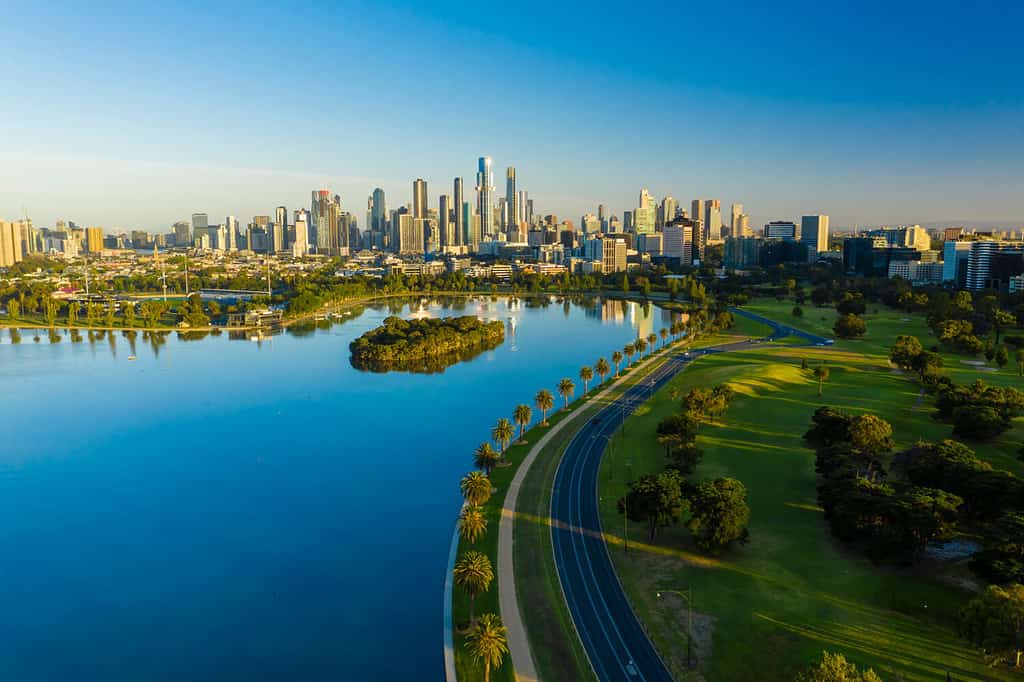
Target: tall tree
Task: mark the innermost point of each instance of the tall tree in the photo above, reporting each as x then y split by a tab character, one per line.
835	668
472	523
652	340
586	374
502	434
821	374
476	488
565	389
522	415
485	458
473	573
487	643
544	402
602	368
640	346
629	349
995	622
617	360
663	333
719	514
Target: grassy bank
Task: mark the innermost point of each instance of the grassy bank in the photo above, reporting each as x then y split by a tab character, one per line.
768	609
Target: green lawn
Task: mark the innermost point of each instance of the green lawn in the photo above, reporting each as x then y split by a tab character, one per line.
769	608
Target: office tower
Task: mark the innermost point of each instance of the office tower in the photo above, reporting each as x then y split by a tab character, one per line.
419	198
644	215
300	246
734	227
231	228
446	221
666	212
326	218
697	210
484	196
627	221
780	229
502	211
590	224
410	234
378	209
200	225
275	237
511	206
461	216
10	244
521	204
743	226
814	233
955	257
182	233
94	239
713	220
280	228
601	215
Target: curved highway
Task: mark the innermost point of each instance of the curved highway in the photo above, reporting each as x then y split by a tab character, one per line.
615	642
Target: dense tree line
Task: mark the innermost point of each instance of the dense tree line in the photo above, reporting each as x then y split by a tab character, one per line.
421	345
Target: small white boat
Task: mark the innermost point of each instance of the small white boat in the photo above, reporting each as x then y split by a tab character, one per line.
132	357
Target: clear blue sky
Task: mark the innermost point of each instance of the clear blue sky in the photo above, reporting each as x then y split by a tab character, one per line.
135	115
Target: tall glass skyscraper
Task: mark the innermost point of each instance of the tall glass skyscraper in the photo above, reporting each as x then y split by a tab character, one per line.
419	198
460	222
511	205
485	196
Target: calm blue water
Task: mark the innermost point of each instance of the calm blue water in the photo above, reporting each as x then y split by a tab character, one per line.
234	510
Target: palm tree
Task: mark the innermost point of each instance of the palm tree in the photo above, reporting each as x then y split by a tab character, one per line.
476	488
502	434
652	339
821	374
522	414
640	346
473	573
472	523
485	458
586	374
663	333
616	360
486	642
602	368
544	402
629	349
565	389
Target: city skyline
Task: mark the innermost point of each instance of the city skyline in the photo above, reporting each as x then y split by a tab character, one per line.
831	119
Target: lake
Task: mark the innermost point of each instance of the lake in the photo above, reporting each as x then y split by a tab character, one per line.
237	510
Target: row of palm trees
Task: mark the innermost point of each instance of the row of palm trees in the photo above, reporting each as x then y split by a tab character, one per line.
474	572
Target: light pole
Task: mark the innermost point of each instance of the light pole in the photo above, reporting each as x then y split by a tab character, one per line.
688	596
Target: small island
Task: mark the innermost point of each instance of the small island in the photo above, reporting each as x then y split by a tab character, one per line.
425	345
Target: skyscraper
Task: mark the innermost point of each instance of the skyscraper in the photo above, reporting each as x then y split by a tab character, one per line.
521	204
666	212
644	215
511	205
814	233
446	222
419	198
484	196
10	244
182	233
734	227
378	211
461	227
300	247
713	220
231	229
326	218
697	210
94	239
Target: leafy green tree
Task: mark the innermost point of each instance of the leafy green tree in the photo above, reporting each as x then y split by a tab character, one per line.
602	368
835	668
1002	356
821	373
129	314
487	643
719	514
1019	357
994	621
1002	559
676	430
476	488
641	346
870	434
50	306
625	284
849	326
617	360
472	523
486	458
629	349
565	389
656	500
978	422
502	434
905	351
13	309
798	311
652	340
544	402
473	573
522	416
663	333
586	375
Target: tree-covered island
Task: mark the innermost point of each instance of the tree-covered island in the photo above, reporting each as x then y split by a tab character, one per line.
424	345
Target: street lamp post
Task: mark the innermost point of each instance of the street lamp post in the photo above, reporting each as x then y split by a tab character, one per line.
688	596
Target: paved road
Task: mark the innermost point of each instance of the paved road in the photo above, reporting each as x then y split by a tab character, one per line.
615	642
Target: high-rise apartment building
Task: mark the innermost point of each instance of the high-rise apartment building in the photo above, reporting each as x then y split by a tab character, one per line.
331	235
485	196
446	221
94	239
182	233
231	232
200	227
460	226
419	198
666	211
814	233
300	245
521	205
697	210
743	226
511	225
735	212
